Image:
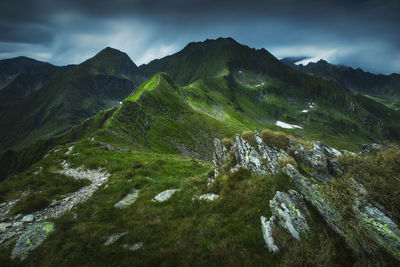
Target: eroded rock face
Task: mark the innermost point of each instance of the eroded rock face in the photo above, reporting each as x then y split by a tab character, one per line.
270	154
290	212
247	157
318	163
31	239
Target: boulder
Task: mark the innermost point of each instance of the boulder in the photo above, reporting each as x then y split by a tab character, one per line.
34	237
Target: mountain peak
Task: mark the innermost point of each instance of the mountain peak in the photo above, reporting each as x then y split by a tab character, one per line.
112	60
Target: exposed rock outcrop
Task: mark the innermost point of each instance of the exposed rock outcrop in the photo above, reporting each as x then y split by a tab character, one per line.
290	212
260	159
247	157
317	162
381	229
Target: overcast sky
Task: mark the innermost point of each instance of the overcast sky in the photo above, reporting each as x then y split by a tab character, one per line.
358	33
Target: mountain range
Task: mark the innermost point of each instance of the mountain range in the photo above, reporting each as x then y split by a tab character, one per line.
39	100
175	162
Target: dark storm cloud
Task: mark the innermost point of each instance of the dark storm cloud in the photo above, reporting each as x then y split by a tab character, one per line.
361	33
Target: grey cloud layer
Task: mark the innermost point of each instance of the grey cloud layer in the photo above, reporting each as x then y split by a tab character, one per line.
357	33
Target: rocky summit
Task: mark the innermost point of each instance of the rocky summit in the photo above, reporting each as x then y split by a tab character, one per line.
217	155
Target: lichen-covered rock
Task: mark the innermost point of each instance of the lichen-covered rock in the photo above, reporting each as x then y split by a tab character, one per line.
317	162
31	239
247	157
267	228
312	193
128	199
290	212
381	229
374	148
165	195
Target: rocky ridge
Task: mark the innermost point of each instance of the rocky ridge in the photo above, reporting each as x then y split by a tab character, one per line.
315	168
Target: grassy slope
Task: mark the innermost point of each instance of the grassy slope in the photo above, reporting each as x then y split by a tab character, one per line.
231	81
179	231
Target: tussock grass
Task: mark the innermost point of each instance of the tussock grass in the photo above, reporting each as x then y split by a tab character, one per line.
278	140
285	161
227	142
249	137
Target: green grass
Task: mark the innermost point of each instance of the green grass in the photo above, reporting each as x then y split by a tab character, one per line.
226	232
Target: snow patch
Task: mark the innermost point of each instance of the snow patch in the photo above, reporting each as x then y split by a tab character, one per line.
287	125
